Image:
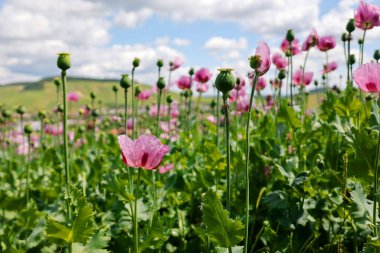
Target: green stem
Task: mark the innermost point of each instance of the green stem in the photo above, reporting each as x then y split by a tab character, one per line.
291	78
217	118
228	170
27	171
348	59
362	47
158	112
254	82
133	103
136	232
303	86
376	181
169	132
65	146
327	74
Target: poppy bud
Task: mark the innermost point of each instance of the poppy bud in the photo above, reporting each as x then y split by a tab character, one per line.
95	113
191	72
351	59
92	95
81	129
114	88
42	114
290	35
28	129
368	97
136	62
212	104
376	55
137	91
186	94
169	99
64	62
125	82
350	27
60	108
160	63
6	114
225	80
344	37
255	61
360	41
56	82
161	83
237	81
21	110
281	74
315	82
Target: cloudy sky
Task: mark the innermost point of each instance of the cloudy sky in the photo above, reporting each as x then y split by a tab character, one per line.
104	36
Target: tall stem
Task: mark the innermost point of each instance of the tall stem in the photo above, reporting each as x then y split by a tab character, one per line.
158	112
291	78
349	77
327	73
228	171
303	86
133	103
362	47
217	118
254	82
376	181
136	232
27	171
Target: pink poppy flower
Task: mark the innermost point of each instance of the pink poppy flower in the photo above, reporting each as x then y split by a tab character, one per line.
270	102
202	75
146	152
172	137
243	104
285	46
298	80
263	51
261	83
144	95
242	83
311	40
279	61
73	97
235	94
367	76
367	16
184	82
22	149
154	110
212	119
166	168
329	67
116	118
175	64
202	87
326	43
129	124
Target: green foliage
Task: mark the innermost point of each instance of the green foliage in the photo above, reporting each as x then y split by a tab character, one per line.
223	230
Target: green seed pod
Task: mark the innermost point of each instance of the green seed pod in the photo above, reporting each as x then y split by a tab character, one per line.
137	91
60	108
136	62
344	37
186	93
360	41
125	82
92	95
191	71
212	104
57	82
64	61
88	107
315	82
255	61
28	129
161	83
169	99
160	63
21	110
351	59
2	121
95	113
6	114
114	88
376	55
225	80
237	81
42	114
350	27
281	74
323	77
290	35
81	129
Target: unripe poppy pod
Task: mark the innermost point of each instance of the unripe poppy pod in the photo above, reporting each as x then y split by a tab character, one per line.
42	114
344	37
21	110
60	108
169	99
114	88
125	82
92	95
28	129
136	62
255	61
281	74
160	63
376	55
290	35
64	61
6	114
56	82
225	80
191	71
351	59
350	27
161	83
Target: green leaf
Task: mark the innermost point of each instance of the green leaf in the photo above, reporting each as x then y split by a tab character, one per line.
288	115
225	231
81	230
361	208
156	236
96	245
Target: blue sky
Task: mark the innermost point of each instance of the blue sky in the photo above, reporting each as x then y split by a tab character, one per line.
104	36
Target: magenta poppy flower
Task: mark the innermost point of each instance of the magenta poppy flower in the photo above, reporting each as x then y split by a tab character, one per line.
242	83
235	94
285	46
311	40
279	61
175	64
298	80
326	43
202	87
184	82
203	75
129	124
329	67
144	95
261	83
263	51
270	101
243	104
146	152
367	16
211	119
367	77
73	97
166	168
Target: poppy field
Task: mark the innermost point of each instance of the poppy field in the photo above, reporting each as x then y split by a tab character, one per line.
239	171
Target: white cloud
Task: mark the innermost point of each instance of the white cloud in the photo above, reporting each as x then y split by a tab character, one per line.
181	42
132	18
220	43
